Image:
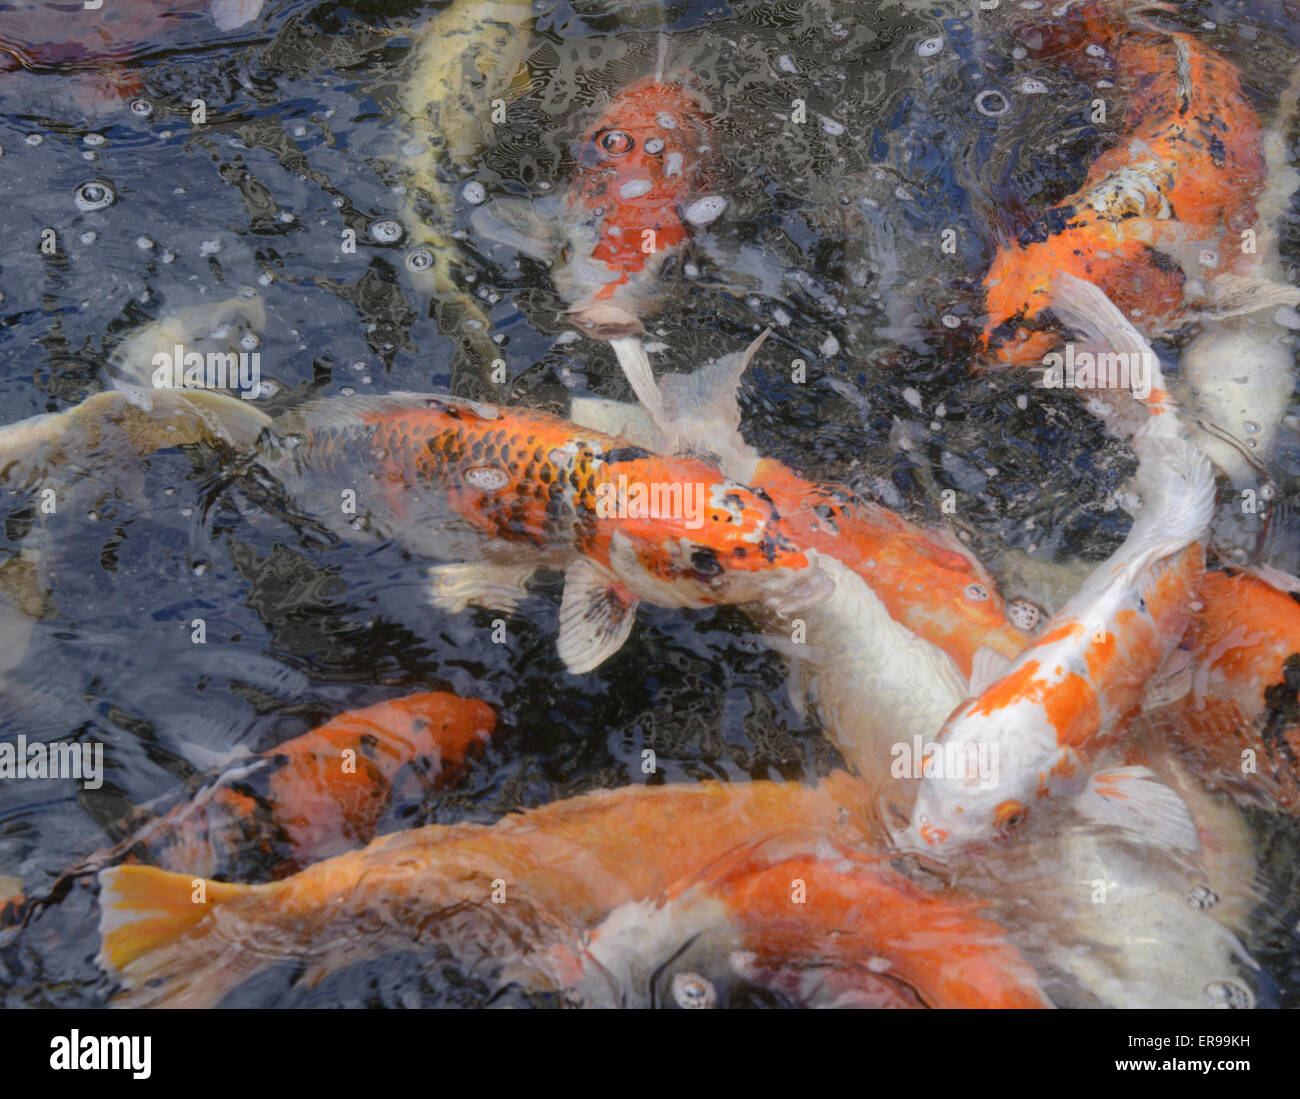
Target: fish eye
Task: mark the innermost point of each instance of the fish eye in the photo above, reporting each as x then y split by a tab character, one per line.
616	142
977	592
705	562
1009	814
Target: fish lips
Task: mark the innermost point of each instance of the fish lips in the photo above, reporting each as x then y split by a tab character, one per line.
605	320
795	590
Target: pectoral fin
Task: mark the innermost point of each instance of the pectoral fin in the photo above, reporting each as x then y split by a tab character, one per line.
596	616
987	667
494	587
1135	800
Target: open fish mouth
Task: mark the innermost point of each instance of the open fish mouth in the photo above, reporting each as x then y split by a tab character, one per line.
795	590
605	320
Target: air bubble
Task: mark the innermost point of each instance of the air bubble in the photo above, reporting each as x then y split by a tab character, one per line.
1202	897
1227	994
142	108
34	139
95	195
949	321
706	210
928	47
420	260
690	990
991	103
386	230
487	478
1030	86
654	146
474	192
250	341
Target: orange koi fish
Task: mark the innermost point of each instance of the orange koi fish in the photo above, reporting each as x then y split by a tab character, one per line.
836	928
563	867
516	490
1238	727
319	794
1163	211
642	169
936	590
311	797
1046	716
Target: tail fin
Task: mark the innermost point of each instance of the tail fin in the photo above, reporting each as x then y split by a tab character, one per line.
1084	307
1176	483
145	420
154	938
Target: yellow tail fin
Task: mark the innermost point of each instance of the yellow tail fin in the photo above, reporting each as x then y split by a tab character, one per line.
151	926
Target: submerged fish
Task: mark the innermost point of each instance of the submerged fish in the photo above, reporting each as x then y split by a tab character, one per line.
314	796
465	62
1045	717
833	927
643	167
515	891
886	658
1238	725
1158	224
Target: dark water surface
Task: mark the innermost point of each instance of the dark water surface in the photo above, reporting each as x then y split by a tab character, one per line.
300	128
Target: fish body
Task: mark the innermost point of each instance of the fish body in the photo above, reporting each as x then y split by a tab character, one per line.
464	64
514	490
834	928
564	867
1238	726
1162	212
937	591
1065	697
639	167
318	794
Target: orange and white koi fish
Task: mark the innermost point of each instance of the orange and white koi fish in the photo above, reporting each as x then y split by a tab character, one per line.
643	169
1238	725
887	657
564	867
514	490
1158	223
1044	719
309	798
318	794
833	927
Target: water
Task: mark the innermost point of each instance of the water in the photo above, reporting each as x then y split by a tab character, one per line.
921	120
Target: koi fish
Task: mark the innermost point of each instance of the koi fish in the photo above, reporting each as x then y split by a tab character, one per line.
516	490
838	928
564	867
1158	222
643	169
467	58
1081	903
887	657
1238	725
1048	714
311	797
316	795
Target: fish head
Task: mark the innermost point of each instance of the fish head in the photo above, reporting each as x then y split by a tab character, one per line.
980	779
639	167
695	539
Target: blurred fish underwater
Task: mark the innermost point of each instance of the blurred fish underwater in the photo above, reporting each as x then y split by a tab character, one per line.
336	202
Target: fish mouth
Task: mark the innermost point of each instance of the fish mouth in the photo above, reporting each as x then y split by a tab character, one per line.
799	590
605	320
